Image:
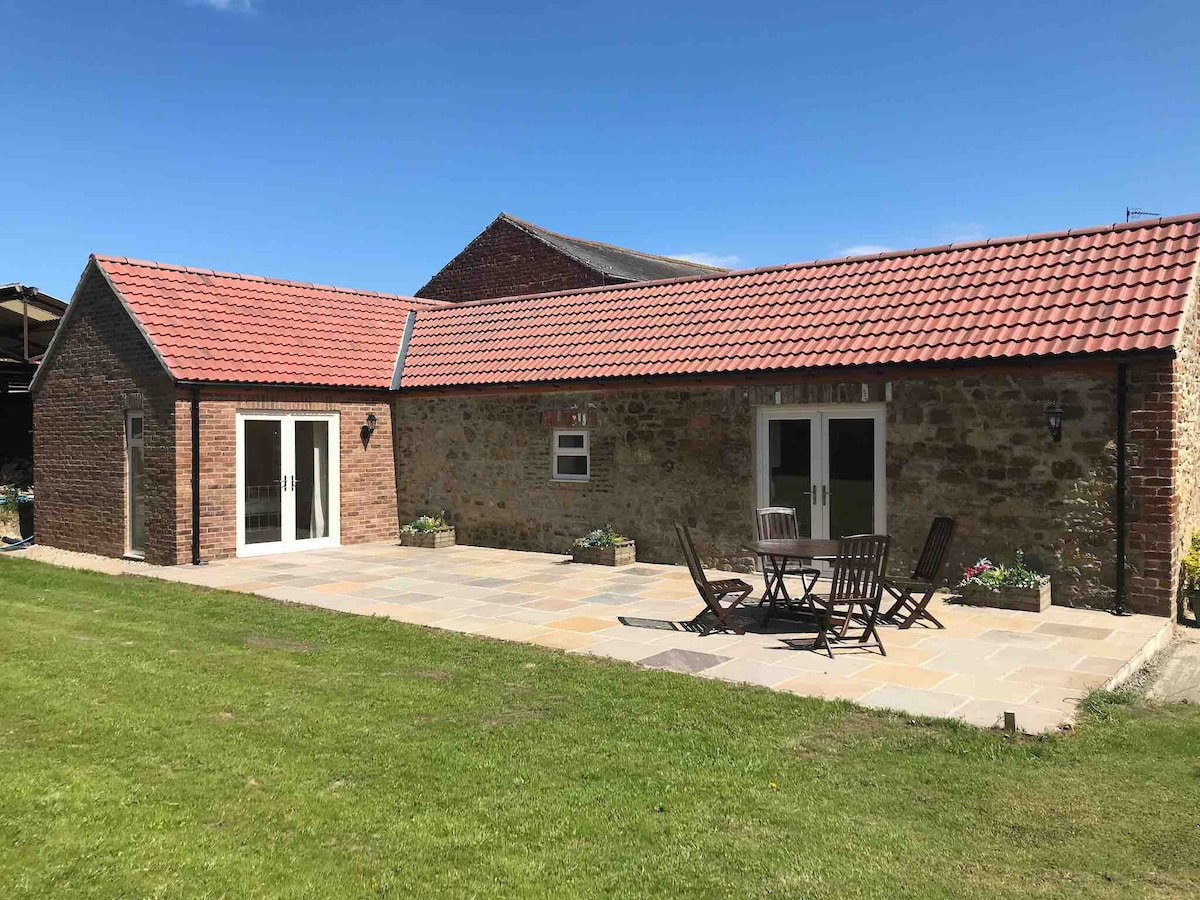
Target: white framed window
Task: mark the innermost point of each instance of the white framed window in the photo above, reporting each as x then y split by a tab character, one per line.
571	455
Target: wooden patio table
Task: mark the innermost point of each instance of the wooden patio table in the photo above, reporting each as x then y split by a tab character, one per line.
777	552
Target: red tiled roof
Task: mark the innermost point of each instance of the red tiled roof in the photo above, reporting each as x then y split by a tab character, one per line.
1119	288
217	326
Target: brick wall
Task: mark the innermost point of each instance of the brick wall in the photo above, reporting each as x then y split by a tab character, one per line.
368	480
1185	455
973	444
101	367
504	261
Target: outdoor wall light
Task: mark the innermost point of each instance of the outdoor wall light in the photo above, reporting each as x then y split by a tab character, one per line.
1054	419
369	428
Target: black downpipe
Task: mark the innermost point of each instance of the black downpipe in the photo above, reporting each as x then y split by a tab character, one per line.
1121	601
195	476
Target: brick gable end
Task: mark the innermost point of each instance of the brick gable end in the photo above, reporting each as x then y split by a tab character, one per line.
99	368
504	261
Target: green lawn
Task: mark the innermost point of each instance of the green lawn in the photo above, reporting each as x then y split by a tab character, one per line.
163	740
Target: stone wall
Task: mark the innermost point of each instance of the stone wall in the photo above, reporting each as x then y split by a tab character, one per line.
101	367
657	457
971	443
368	479
505	261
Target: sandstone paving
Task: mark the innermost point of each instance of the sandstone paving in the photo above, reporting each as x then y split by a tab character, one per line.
985	663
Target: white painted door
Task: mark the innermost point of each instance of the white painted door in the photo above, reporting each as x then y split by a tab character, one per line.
828	463
288	482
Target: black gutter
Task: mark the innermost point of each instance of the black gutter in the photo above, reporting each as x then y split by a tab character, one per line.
195	476
1121	600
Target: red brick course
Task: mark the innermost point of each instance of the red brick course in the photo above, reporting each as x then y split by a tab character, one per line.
504	261
102	367
368	480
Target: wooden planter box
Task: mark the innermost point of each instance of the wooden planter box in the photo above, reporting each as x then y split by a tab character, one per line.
430	540
1027	599
620	555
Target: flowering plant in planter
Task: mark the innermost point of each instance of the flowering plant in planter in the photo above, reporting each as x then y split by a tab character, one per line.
430	532
1005	587
604	547
426	524
991	576
601	537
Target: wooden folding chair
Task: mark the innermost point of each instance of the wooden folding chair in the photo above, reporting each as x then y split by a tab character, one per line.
854	595
712	592
914	593
779	522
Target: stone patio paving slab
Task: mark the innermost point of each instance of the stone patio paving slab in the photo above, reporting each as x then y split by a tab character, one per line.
914	700
687	661
985	662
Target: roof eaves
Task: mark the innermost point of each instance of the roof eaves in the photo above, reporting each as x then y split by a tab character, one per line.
1190	303
133	318
51	349
39	298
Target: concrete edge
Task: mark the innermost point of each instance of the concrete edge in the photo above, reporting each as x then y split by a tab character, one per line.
1157	642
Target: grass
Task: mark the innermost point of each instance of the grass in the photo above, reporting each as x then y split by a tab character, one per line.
163	740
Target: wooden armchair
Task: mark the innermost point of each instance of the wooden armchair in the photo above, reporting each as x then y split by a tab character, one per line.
779	522
913	594
854	595
713	593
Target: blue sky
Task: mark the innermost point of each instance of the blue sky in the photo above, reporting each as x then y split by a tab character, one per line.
363	144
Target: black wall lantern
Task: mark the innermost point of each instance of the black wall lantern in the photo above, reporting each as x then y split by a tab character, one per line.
1054	419
369	428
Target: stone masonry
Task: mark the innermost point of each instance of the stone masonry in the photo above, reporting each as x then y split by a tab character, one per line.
972	443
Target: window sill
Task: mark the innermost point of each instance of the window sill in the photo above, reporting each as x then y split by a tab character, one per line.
570	480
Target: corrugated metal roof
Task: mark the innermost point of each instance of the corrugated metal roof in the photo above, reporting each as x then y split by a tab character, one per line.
618	263
1118	288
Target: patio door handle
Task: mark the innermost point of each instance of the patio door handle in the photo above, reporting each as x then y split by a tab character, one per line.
824	494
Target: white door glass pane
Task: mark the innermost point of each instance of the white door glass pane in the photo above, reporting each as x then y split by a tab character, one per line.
263	452
312	480
851	476
790	467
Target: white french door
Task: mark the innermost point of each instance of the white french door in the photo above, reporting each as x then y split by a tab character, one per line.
288	482
828	463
